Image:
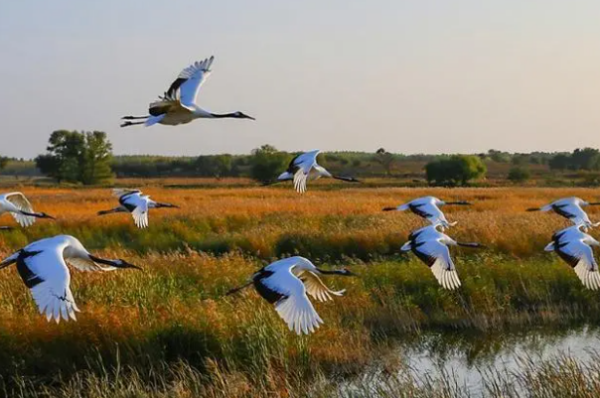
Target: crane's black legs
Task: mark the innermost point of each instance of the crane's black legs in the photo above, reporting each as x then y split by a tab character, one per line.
126	124
134	117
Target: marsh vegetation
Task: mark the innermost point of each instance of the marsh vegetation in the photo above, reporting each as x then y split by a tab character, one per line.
169	331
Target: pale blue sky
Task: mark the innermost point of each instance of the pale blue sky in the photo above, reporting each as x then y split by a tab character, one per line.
408	75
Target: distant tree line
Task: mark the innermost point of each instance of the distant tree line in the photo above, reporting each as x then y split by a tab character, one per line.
86	158
455	170
580	159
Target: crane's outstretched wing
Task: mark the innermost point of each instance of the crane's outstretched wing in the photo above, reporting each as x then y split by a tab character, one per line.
140	215
20	202
292	304
46	274
316	288
118	192
580	256
437	256
137	205
300	178
189	81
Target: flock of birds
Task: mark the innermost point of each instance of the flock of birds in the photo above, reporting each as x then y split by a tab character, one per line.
286	283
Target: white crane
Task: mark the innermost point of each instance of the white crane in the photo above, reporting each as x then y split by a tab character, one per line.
285	284
300	168
178	105
132	201
428	207
43	267
17	204
575	248
570	208
431	247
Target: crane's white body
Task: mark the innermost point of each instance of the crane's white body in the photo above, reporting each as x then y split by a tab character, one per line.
43	268
135	203
138	205
178	105
575	248
300	169
572	209
15	203
286	283
431	246
428	207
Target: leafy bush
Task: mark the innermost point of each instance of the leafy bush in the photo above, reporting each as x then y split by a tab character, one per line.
267	163
518	174
455	170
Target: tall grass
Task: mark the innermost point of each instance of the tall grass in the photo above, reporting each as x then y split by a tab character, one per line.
267	222
170	328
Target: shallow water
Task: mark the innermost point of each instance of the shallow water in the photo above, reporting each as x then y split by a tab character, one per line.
467	364
464	362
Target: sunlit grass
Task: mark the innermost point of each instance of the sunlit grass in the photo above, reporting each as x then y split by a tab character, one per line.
173	319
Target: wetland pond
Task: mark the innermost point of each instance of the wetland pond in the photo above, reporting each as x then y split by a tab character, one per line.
462	364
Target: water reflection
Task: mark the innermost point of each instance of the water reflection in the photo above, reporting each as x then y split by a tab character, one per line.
468	358
467	364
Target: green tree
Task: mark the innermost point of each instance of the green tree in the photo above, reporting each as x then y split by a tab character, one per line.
3	162
455	170
77	157
223	165
518	174
559	162
499	156
97	159
385	159
267	163
585	159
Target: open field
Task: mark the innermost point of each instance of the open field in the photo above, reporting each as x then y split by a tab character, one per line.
168	331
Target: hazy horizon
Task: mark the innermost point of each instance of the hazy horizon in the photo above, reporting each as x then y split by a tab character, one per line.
412	77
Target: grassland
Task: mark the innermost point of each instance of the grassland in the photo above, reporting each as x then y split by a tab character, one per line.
169	331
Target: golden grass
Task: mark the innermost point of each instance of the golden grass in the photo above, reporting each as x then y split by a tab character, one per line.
175	310
271	221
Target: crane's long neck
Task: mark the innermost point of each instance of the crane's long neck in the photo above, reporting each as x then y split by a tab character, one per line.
343	178
159	205
223	115
471	244
334	272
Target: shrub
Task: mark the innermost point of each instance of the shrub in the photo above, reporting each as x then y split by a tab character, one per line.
455	170
518	174
267	163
